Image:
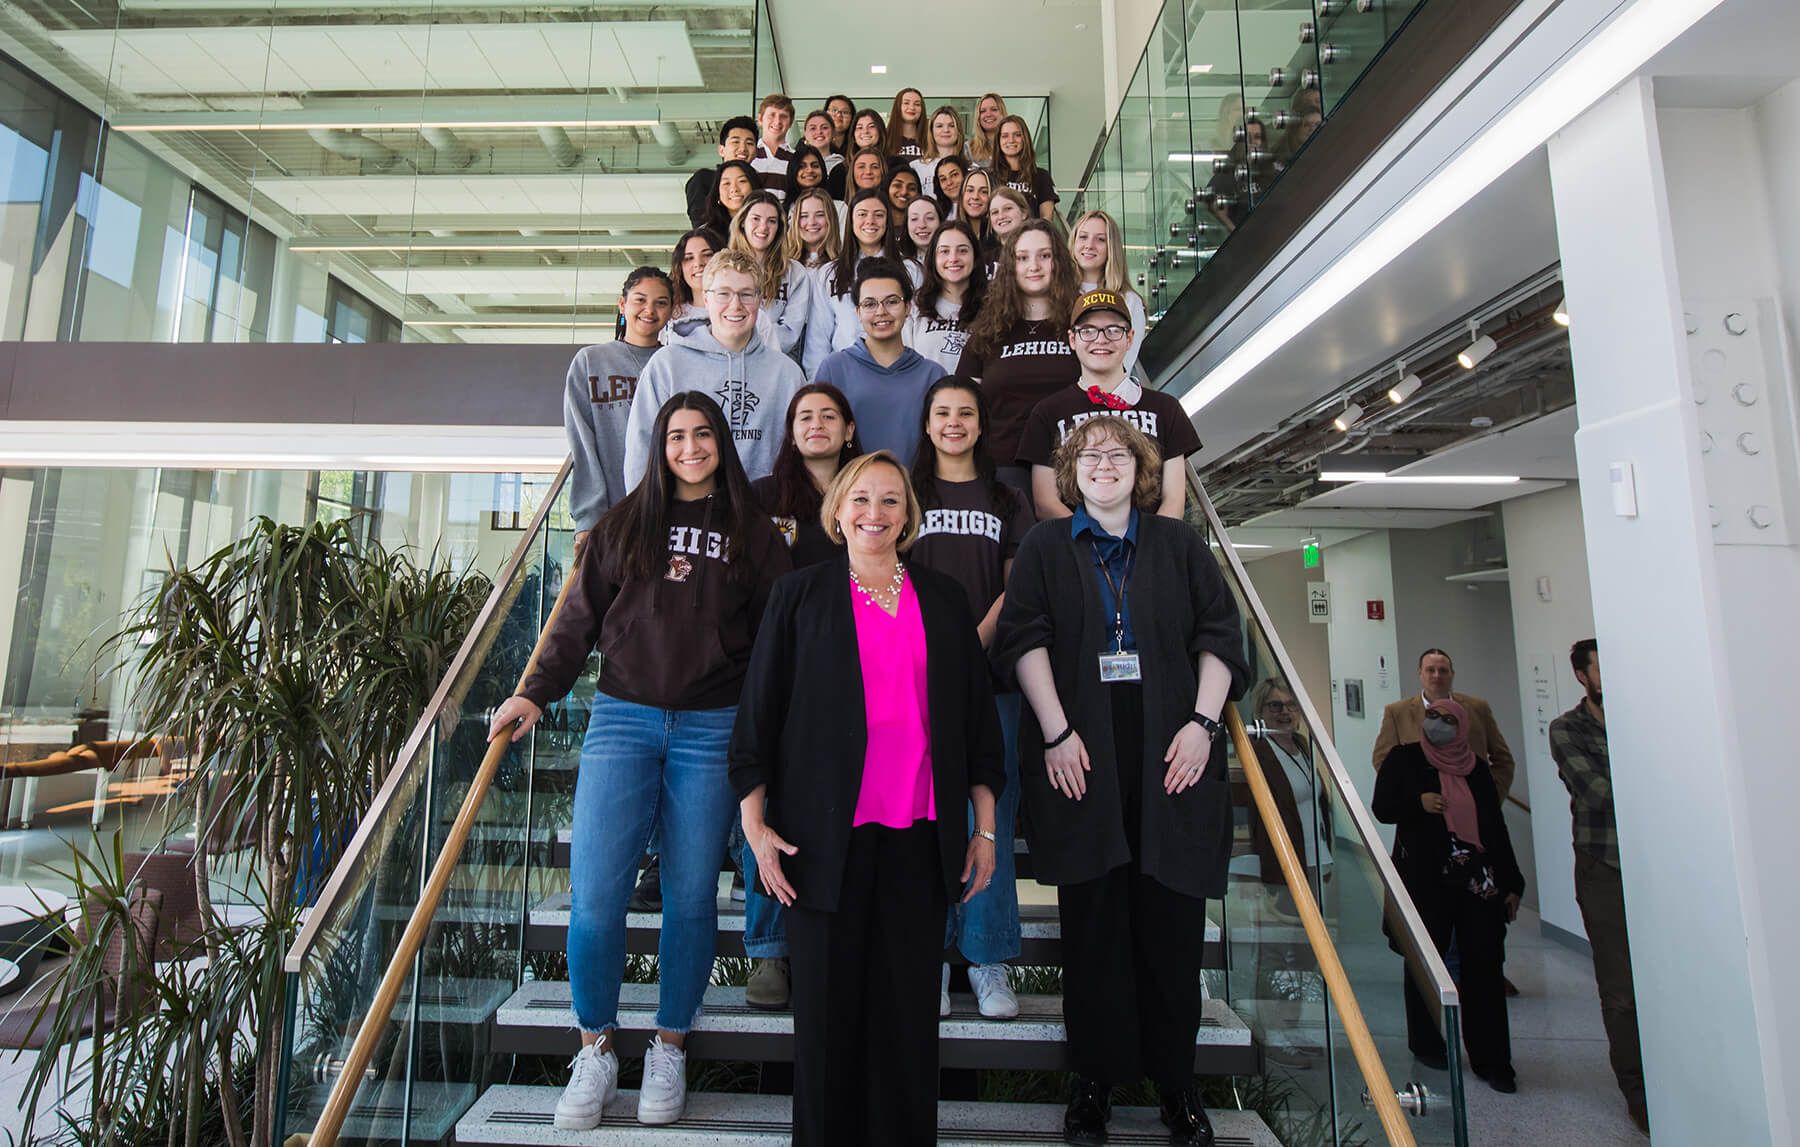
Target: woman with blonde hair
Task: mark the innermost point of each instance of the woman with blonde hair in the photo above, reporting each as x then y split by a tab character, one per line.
972	208
1098	246
784	284
1008	212
946	139
814	231
983	147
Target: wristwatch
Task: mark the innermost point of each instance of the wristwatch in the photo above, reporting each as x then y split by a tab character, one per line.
987	836
1212	727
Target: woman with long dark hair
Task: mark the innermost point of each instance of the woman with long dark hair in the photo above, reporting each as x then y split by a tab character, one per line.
973	526
821	437
950	293
947	184
906	127
1019	344
670	588
1016	167
687	267
805	171
921	221
737	179
869	130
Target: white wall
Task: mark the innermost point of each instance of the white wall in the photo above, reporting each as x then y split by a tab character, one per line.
1362	571
1544	539
1280	581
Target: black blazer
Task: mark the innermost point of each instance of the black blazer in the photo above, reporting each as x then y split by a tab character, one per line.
802	729
1180	608
1422	839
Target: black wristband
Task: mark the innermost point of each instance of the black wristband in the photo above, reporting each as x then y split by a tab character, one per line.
1212	727
1065	735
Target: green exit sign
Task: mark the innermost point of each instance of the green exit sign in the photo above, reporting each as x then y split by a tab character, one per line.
1309	555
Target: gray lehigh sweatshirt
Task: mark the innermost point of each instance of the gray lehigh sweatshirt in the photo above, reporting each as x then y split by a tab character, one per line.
596	405
752	386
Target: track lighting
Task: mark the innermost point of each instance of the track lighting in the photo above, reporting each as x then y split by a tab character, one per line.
1348	418
1408	386
1480	346
1561	313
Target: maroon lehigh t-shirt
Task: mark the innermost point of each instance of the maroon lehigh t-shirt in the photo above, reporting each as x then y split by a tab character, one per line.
1032	364
1157	413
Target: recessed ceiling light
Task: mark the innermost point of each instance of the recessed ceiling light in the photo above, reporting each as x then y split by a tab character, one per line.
1199	69
878	69
1561	313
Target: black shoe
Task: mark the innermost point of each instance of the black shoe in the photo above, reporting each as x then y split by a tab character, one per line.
1502	1079
1438	1060
647	896
1185	1118
1089	1108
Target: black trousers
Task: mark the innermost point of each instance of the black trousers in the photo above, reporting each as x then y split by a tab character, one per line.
1131	950
865	996
1600	890
1480	930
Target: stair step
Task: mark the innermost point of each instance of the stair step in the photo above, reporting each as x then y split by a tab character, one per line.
381	1108
539	1020
513	1116
1039	926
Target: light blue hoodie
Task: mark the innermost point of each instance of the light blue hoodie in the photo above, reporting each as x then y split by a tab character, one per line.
885	400
753	386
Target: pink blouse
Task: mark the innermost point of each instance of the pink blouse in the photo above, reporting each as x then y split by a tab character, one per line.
896	780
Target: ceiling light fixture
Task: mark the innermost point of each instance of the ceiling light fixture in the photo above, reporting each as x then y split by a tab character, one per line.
1408	385
1420	479
1480	346
1608	58
1348	418
1199	69
878	69
1561	313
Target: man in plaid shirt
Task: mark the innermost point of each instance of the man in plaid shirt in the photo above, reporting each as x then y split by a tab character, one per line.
1578	742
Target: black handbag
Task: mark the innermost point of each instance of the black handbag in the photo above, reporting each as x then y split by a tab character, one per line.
1466	868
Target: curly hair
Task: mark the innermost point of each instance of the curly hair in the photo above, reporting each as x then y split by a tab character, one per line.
1146	489
1005	305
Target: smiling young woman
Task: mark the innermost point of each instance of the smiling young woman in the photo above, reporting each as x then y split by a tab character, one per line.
786	289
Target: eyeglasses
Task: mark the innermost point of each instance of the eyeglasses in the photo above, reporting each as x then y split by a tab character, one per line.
1113	333
870	306
1281	706
724	298
1089	459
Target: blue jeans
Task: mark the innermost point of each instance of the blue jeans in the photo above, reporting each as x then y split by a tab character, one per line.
986	929
642	768
765	929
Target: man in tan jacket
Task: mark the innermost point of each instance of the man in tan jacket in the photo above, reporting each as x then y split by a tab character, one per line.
1401	721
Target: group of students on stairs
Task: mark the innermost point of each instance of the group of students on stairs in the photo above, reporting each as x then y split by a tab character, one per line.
875	547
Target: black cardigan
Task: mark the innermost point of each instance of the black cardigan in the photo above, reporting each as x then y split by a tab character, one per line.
1422	839
802	729
1180	608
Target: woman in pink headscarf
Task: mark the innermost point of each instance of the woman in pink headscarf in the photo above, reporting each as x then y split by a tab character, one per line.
1452	851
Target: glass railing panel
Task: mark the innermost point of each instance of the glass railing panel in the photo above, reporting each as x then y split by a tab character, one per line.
1215	99
1137	217
1171	148
432	1059
1351	34
1276	979
1281	76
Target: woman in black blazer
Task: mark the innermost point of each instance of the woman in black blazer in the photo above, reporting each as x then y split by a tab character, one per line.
866	726
1453	853
1125	640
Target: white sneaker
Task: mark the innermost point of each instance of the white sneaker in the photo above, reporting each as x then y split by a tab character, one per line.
993	993
593	1084
663	1096
944	994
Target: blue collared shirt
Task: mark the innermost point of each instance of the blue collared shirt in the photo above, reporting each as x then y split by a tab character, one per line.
1116	553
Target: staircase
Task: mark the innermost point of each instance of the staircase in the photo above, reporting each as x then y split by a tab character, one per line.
458	1020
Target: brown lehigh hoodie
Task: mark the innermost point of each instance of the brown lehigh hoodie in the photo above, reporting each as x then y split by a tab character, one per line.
679	640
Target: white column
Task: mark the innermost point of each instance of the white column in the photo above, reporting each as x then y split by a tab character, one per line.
1695	637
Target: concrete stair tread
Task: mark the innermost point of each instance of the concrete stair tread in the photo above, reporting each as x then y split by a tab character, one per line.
539	1020
514	1116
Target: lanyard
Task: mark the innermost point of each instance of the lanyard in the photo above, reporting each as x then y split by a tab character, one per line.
1118	591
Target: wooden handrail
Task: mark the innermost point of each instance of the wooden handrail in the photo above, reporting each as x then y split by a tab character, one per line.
337	1104
1362	1044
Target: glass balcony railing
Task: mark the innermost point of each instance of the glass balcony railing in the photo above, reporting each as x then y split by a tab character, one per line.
1224	101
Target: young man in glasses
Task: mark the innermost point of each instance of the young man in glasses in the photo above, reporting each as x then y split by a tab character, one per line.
884	379
725	357
1100	334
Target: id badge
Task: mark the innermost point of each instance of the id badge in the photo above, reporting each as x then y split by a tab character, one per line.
1119	667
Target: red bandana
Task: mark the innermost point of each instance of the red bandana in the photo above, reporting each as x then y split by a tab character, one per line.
1103	398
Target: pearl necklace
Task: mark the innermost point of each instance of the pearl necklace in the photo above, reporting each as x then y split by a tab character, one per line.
888	599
